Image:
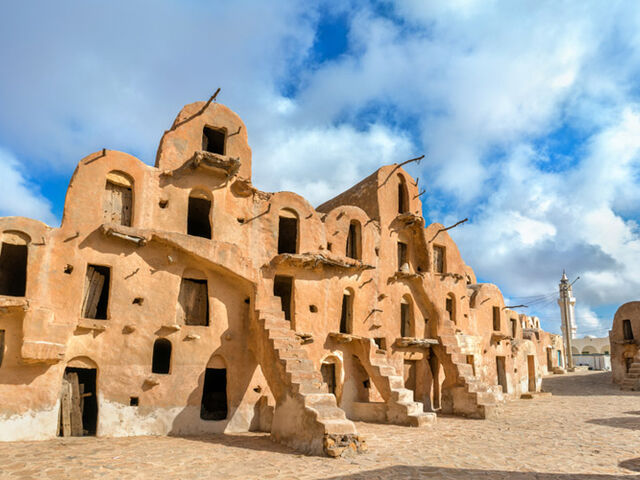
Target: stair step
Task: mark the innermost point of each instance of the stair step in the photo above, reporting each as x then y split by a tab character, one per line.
339	427
274	322
301	375
396	382
423	419
298	365
309	387
402	395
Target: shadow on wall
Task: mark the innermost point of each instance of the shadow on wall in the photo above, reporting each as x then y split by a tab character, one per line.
583	385
405	471
632	464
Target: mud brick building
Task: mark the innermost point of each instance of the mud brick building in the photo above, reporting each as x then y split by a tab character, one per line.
625	353
179	300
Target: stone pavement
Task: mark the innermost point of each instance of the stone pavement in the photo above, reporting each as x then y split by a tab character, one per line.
588	429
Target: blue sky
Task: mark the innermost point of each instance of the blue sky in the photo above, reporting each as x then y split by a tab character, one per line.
528	113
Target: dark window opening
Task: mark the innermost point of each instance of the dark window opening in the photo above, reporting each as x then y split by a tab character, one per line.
353	241
381	342
287	235
438	259
13	270
134	401
78	403
283	288
449	308
198	221
403	196
627	331
514	326
161	362
214	394
193	302
1	346
96	292
213	140
405	320
346	316
402	254
328	371
117	205
496	319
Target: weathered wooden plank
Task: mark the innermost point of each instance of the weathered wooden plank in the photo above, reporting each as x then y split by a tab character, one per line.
95	281
76	411
65	408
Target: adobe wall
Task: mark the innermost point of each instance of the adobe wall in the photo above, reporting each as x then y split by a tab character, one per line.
46	331
623	350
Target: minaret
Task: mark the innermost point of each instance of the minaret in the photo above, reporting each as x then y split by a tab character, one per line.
567	303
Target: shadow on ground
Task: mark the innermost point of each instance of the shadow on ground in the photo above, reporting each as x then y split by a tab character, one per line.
630	423
581	385
632	464
408	472
261	442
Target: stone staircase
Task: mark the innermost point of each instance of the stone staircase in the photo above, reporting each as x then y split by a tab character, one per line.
307	417
470	396
631	381
401	408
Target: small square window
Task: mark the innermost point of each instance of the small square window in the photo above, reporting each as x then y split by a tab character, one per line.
213	140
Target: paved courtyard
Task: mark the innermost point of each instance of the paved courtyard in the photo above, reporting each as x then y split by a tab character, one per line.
588	429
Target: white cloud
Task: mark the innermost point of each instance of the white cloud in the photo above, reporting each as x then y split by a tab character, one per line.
20	197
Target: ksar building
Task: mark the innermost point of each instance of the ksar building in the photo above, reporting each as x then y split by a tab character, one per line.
180	300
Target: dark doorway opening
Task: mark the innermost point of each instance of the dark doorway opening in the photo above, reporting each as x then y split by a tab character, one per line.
496	319
78	403
214	394
627	331
193	302
198	221
328	371
161	362
549	360
13	270
213	140
405	320
514	327
1	346
283	288
96	292
346	316
402	254
449	307
403	195
410	367
287	235
353	241
501	372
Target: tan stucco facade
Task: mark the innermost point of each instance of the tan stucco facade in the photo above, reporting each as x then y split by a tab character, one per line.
164	292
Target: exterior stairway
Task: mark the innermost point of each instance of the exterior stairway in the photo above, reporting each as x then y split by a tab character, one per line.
469	396
631	381
306	416
401	409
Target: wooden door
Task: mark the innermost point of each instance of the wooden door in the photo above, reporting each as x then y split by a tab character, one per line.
531	365
193	302
70	406
94	283
117	204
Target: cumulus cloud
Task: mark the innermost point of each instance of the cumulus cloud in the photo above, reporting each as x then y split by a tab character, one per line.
18	195
528	113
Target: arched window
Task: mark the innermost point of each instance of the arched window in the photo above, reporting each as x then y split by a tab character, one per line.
406	317
199	214
287	231
450	306
403	195
13	264
346	315
354	240
161	362
118	199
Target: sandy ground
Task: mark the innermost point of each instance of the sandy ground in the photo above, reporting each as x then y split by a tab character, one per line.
588	429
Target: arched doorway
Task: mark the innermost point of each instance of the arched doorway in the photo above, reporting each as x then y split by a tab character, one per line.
78	399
